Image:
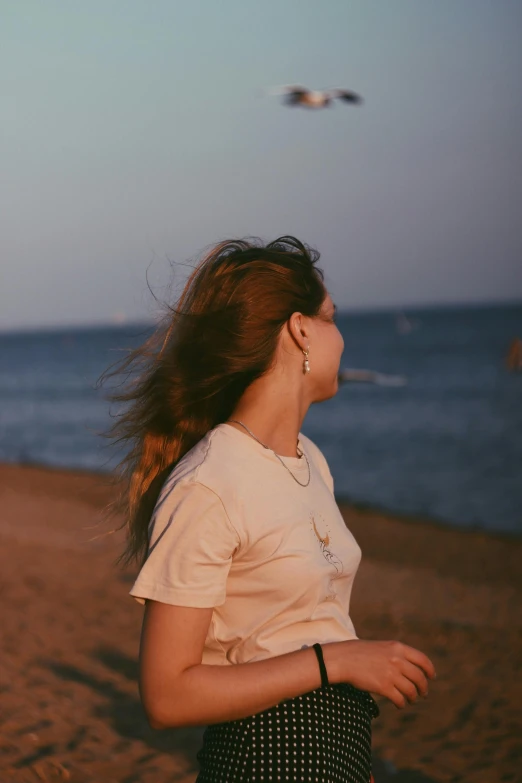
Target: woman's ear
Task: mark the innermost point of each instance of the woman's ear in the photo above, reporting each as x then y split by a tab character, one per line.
298	328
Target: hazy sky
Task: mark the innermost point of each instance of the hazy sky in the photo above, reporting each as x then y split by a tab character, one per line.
133	131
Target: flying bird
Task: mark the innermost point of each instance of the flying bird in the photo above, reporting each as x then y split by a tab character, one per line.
294	95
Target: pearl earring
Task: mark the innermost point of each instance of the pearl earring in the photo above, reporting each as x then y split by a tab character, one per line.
306	363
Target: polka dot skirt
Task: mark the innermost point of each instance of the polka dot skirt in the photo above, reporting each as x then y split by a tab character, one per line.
323	736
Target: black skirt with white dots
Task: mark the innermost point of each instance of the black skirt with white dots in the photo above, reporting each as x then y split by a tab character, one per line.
323	736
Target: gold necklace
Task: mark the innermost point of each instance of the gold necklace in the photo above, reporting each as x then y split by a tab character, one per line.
277	455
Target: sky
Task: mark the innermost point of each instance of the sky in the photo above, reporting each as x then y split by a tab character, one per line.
135	134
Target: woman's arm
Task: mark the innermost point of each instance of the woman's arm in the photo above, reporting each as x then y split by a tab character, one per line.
178	690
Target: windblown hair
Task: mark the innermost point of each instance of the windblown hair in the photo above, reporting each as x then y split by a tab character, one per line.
190	374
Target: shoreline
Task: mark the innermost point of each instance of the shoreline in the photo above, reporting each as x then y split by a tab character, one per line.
360	507
363	507
468	554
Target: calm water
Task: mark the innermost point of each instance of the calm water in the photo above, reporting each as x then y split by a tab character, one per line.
447	445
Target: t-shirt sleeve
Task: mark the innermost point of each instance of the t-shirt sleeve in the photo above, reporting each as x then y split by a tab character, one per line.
192	542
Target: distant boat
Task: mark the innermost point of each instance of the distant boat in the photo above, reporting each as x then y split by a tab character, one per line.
371	376
405	325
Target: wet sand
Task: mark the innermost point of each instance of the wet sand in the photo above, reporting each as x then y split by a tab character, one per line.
70	709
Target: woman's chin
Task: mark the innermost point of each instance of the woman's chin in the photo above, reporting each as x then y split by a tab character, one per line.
327	392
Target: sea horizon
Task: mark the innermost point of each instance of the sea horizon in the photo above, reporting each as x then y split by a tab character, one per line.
359	310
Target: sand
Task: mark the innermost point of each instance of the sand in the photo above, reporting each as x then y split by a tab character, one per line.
70	708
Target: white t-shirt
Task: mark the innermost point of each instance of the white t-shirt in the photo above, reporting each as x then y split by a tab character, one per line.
233	530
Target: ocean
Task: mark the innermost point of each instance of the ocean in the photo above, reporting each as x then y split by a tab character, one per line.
445	445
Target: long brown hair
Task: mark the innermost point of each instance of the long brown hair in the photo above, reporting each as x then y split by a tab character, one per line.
190	374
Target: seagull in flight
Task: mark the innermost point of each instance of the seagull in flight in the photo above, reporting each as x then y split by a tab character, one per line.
295	95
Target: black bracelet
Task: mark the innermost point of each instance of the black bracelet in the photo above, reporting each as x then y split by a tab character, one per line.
324	674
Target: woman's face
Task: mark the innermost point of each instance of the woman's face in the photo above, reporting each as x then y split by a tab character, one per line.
326	348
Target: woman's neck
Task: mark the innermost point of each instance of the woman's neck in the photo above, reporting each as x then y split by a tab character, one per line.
274	415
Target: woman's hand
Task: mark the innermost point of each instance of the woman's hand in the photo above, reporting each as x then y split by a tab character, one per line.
387	668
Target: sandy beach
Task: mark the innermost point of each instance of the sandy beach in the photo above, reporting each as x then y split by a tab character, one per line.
70	709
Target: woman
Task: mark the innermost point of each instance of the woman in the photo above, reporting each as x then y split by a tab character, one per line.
246	563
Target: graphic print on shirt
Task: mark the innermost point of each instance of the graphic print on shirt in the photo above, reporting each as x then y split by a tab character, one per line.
322	532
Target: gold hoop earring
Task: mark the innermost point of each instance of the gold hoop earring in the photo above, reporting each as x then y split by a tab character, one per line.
306	363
